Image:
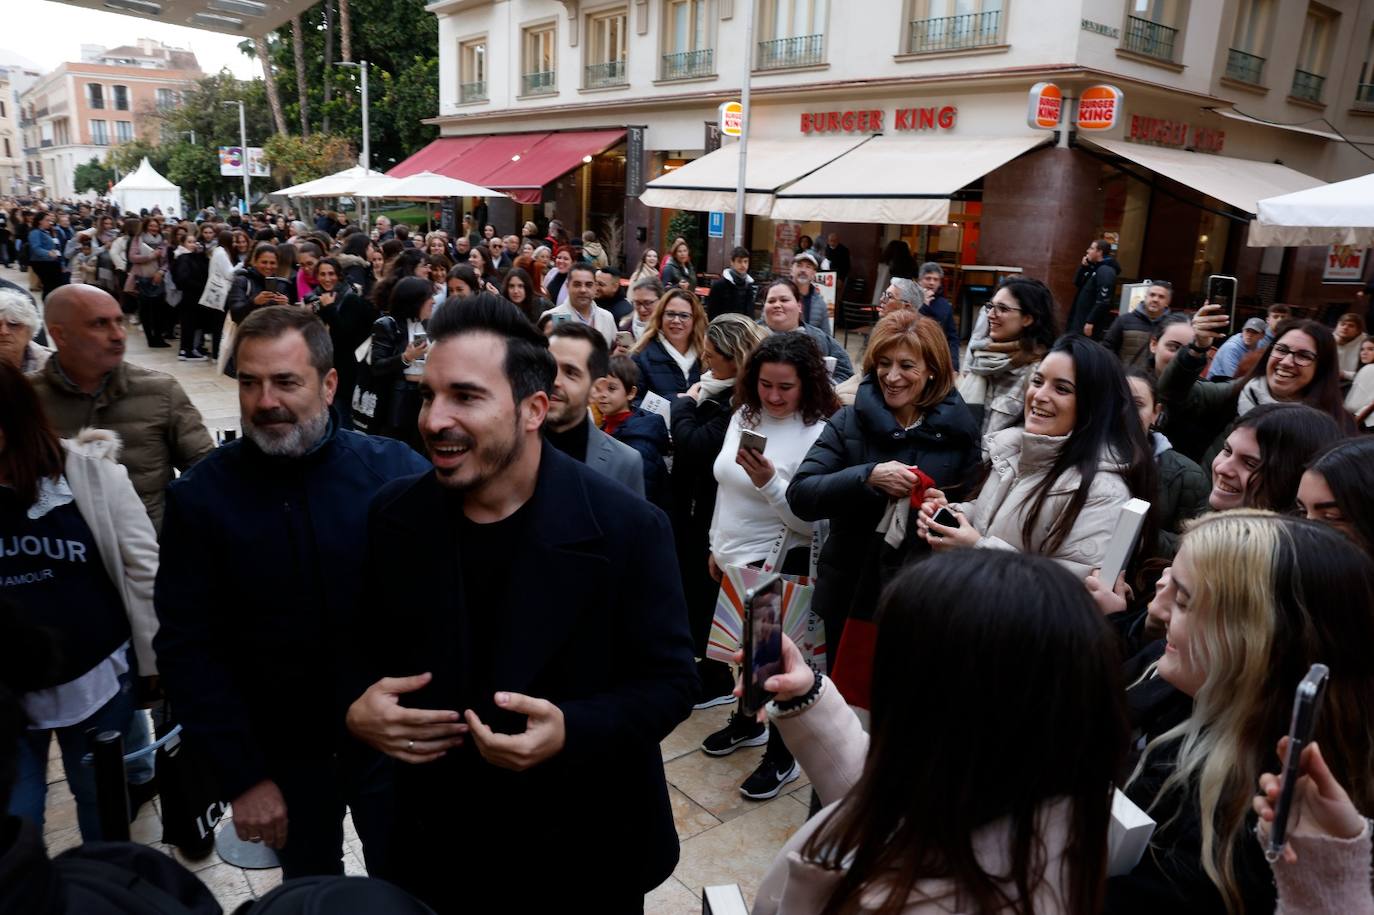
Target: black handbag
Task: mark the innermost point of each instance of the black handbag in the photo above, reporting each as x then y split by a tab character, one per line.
191	801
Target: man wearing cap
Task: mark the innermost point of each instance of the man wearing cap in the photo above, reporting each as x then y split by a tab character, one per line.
814	310
1129	336
1228	357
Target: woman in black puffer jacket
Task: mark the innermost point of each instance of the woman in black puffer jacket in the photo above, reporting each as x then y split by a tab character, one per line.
859	473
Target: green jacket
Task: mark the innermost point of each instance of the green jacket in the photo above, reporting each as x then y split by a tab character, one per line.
1183	491
1198	415
156	421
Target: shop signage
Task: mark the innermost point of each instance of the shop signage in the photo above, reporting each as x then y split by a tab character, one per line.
634	161
1044	106
731	119
873	120
1178	134
1100	28
1344	264
1099	107
715	224
231	162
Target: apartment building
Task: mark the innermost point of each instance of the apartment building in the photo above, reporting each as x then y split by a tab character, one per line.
574	106
82	108
11	150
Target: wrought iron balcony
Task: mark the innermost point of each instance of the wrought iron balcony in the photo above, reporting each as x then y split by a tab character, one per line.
1243	66
802	51
955	33
1308	85
539	83
1149	38
473	92
610	73
686	64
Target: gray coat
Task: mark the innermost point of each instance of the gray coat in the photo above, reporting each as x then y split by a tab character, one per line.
616	460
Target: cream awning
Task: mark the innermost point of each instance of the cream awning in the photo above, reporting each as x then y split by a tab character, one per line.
1332	214
1241	183
708	184
899	180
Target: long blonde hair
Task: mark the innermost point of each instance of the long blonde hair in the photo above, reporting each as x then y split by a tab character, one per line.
1272	596
654	325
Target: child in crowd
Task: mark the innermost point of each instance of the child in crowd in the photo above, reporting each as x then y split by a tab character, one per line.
643	431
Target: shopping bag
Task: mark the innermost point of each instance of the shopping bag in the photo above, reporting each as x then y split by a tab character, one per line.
223	359
216	292
191	802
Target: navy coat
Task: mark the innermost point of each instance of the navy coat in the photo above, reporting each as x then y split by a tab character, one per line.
658	372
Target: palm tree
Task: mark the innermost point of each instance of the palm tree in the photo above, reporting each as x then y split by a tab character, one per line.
298	50
270	80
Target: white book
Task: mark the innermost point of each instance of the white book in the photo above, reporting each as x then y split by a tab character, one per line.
1128	836
653	403
1122	544
723	900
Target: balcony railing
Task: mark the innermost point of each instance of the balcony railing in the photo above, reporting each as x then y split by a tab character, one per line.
539	83
802	51
611	73
955	33
1364	93
45	144
1245	67
686	64
1149	38
473	92
1308	85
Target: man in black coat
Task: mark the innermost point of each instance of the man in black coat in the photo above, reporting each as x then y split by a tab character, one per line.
1095	281
734	291
610	295
539	656
259	573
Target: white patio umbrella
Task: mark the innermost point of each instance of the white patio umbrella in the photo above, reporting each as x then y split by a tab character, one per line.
1331	214
433	186
339	184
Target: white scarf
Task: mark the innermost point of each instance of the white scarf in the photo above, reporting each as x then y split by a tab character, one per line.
684	361
1255	393
710	386
637	327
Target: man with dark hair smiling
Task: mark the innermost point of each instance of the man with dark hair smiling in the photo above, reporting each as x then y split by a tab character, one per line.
581	305
530	673
254	666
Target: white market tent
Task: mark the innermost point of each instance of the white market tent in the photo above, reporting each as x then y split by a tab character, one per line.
1332	214
143	189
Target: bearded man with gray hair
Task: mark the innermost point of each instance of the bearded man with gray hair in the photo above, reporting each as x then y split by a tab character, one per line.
254	665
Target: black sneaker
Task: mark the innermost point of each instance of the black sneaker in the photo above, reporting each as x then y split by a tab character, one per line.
769	778
739	732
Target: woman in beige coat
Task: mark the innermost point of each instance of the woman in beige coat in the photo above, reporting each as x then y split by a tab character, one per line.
1056	486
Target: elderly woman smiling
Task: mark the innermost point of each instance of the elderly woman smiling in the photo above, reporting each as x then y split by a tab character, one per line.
18	323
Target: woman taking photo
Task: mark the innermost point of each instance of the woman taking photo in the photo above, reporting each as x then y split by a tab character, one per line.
647	268
679	271
1021	329
668	353
1301	366
79	542
784	394
257	285
1338	489
985	794
699	421
397	361
1262	461
521	291
349	317
862	472
1255	600
1056	486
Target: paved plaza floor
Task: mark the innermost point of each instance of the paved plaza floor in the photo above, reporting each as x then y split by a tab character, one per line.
725	838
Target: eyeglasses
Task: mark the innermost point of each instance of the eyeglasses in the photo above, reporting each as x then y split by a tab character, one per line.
1301	357
1001	310
671	316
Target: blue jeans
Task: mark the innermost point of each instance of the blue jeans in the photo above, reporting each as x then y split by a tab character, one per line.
31	786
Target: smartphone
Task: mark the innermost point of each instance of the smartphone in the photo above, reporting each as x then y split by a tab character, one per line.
420	338
276	284
1306	704
1221	290
945	518
752	440
624	338
762	643
560	318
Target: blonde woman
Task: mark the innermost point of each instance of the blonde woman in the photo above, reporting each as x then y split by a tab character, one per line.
669	351
1252	600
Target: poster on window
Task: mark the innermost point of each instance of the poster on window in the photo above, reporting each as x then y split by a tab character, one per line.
784	246
1344	264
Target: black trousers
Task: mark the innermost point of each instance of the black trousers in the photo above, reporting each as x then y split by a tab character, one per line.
49	274
316	793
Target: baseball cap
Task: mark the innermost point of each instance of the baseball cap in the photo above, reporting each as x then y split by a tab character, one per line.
807	255
1256	324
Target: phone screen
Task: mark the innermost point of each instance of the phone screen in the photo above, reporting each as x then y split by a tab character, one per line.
945	518
420	338
1306	705
762	643
625	338
753	441
1221	290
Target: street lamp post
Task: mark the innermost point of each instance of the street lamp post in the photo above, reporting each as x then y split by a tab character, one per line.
192	135
367	145
744	121
243	152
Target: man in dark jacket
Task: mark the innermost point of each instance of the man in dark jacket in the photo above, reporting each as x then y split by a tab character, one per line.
528	679
1129	336
256	666
734	291
610	295
837	257
935	306
1095	281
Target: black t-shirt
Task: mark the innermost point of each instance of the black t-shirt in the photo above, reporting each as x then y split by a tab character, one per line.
573	443
50	567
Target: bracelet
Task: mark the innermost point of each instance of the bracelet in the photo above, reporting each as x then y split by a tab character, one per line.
796	705
406	364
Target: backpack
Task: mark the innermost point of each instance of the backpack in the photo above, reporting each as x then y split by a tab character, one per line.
103	878
336	896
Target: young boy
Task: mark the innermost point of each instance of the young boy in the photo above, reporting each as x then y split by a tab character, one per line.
643	431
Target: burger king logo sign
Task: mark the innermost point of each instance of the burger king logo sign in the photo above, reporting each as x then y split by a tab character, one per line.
1099	108
1044	106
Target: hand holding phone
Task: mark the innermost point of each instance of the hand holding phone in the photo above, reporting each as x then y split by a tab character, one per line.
1221	291
1306	706
1209	322
752	441
1323	806
762	643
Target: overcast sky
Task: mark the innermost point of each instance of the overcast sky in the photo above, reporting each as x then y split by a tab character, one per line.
49	33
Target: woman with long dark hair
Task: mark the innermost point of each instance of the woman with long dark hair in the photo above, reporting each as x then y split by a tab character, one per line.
1338	489
409	262
355	258
349	317
986	793
397	360
1056	486
784	394
520	289
1182	485
1262	461
1300	366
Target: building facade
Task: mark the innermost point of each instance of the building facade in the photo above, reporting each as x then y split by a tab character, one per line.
11	145
1229	87
82	108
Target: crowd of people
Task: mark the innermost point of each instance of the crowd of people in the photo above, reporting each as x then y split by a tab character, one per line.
459	574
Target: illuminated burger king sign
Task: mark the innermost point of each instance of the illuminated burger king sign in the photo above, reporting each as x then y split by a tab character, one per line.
1099	108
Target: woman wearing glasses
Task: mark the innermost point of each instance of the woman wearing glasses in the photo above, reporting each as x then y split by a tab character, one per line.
668	352
1300	367
1021	328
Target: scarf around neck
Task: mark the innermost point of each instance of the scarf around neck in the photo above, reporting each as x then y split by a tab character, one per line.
1255	393
684	361
709	386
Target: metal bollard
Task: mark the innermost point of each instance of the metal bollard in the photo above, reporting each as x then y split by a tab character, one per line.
111	792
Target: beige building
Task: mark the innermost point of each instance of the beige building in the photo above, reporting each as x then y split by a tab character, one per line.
1224	102
82	108
11	145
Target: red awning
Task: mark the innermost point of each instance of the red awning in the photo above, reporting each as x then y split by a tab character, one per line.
519	164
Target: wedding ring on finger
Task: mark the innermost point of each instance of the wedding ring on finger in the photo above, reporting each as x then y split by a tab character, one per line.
410	746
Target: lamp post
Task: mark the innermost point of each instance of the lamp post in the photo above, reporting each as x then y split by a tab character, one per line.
192	135
744	120
367	147
243	150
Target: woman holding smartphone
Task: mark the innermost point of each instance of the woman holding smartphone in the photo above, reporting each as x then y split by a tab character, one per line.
784	394
397	359
256	285
349	317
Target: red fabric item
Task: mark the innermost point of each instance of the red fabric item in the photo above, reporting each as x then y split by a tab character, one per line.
918	492
612	423
853	673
